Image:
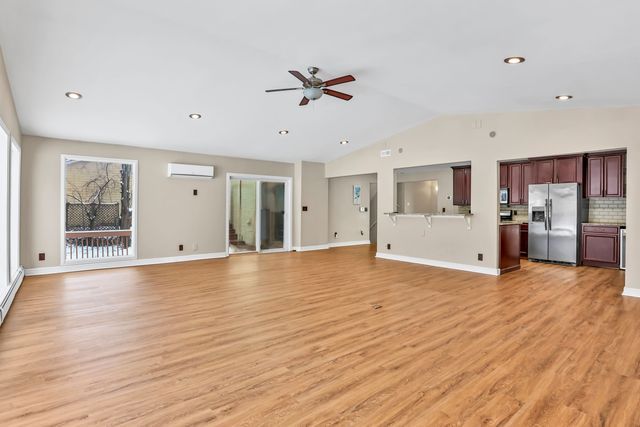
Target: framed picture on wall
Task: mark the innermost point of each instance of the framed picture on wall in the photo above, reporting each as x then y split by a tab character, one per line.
357	194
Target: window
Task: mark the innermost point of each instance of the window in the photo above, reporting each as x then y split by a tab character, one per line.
98	209
4	211
14	211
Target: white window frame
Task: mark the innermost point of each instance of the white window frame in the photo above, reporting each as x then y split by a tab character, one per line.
63	220
288	203
14	209
5	281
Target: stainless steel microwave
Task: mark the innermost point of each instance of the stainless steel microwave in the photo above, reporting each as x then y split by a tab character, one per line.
504	196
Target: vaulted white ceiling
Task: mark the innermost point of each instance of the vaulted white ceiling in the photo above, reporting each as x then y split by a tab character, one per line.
144	65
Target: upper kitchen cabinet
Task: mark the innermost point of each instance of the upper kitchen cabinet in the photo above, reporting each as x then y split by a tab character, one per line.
515	183
462	185
520	176
605	175
559	170
504	176
544	171
528	178
569	169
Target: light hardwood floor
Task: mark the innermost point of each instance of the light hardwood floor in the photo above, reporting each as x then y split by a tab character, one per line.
294	339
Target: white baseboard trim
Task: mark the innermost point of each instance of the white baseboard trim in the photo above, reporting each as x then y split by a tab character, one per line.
310	248
441	264
631	292
352	243
5	304
119	264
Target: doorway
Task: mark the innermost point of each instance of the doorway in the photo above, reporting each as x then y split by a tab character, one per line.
258	213
373	213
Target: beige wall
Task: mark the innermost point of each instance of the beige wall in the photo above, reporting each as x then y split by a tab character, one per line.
168	212
345	218
451	139
7	107
311	189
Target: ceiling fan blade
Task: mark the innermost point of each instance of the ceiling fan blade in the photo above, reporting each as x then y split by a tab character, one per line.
304	101
282	90
337	94
298	75
339	80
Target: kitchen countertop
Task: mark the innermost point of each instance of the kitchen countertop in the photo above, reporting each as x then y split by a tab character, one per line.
513	222
605	224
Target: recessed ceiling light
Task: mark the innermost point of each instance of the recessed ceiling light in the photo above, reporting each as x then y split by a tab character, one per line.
73	95
195	116
564	97
514	60
344	142
283	132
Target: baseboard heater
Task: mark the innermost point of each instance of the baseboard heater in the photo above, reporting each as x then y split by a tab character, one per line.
6	302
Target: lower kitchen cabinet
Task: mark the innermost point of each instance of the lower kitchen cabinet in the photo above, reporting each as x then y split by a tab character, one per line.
524	240
509	247
601	245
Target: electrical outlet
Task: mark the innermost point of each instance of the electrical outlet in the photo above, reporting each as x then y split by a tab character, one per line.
335	235
480	257
41	256
388	246
305	208
181	247
195	192
361	233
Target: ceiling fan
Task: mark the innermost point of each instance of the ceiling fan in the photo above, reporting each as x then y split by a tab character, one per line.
313	88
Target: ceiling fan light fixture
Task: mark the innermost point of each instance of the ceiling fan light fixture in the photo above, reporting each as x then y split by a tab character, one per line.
564	97
73	95
312	93
344	142
195	116
514	60
283	132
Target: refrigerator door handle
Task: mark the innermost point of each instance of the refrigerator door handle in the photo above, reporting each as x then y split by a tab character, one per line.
546	215
550	212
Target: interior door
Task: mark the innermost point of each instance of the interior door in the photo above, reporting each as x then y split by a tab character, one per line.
538	232
563	222
272	216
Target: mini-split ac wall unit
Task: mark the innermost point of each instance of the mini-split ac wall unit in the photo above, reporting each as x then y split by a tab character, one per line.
179	170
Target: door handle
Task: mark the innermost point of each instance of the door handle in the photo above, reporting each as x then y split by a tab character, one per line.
550	212
546	213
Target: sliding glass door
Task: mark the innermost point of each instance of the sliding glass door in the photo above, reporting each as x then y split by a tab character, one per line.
272	215
242	218
258	217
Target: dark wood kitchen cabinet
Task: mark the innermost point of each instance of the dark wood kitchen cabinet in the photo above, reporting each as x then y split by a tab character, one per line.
509	247
462	185
560	170
601	245
519	176
528	178
524	240
515	183
569	169
544	171
504	176
605	175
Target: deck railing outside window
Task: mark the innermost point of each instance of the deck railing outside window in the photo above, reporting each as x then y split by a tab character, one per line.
97	244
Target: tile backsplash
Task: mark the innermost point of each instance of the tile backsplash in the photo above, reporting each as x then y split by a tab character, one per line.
608	210
601	210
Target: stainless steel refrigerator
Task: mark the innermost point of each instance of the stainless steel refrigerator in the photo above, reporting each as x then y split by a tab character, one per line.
555	216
